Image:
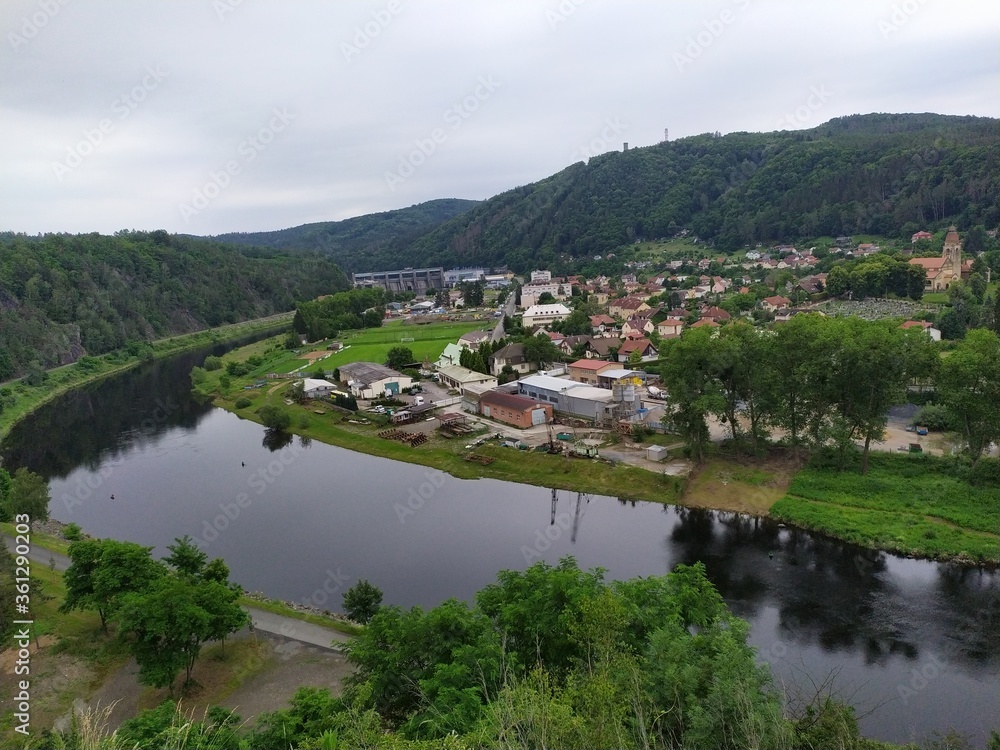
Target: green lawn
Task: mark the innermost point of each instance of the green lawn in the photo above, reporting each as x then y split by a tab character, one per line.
367	345
909	504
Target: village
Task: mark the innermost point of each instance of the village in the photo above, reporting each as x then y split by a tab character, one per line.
582	380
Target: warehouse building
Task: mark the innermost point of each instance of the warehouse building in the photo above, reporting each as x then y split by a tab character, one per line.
520	411
569	397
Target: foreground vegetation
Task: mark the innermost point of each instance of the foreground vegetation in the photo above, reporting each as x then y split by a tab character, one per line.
916	505
20	398
548	657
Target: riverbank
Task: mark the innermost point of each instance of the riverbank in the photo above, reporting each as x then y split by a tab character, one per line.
901	506
911	505
328	424
61	380
76	664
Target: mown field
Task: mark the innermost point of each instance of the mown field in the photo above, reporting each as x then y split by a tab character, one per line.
373	345
910	504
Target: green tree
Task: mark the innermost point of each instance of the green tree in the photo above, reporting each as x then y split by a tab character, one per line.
546	298
274	417
362	601
185	557
168	622
399	357
975	239
292	340
968	383
213	363
102	571
690	374
540	350
27	494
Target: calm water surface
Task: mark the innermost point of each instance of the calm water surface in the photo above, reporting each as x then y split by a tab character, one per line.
915	643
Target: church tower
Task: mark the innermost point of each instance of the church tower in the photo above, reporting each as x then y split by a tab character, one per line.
952	252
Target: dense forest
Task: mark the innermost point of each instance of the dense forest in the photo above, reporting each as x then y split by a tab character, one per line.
63	296
374	242
862	174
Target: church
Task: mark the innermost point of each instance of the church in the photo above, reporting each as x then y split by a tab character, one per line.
946	269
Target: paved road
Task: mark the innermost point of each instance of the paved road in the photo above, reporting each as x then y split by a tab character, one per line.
267	622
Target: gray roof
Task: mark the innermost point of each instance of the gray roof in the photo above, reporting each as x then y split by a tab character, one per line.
366	373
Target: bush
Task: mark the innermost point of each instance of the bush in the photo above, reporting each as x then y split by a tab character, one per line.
362	601
237	369
254	361
72	532
198	375
936	417
213	363
304	421
243	402
274	418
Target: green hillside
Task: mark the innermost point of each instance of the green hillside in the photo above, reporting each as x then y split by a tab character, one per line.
866	174
374	242
63	296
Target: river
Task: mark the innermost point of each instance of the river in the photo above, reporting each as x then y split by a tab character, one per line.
912	644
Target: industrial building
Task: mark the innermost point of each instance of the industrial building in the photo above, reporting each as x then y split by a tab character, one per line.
371	380
417	280
520	411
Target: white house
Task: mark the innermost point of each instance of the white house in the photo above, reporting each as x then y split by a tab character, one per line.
316	388
539	315
371	380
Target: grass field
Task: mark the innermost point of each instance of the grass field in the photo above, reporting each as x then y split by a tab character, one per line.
747	486
908	504
368	345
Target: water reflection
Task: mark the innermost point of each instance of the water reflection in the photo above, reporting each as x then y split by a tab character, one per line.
106	419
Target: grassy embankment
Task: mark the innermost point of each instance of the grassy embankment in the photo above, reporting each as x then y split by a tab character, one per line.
913	505
60	380
447	454
75	657
40	539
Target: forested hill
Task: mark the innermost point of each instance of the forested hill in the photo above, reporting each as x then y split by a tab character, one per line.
63	296
872	174
374	242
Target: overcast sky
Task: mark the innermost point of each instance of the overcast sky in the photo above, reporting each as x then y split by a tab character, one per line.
210	116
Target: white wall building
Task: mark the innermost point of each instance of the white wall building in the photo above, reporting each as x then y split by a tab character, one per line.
540	315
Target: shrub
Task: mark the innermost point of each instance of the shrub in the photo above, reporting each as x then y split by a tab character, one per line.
198	375
254	361
213	363
274	417
362	601
72	532
237	369
936	417
243	402
304	421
